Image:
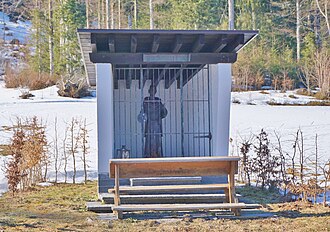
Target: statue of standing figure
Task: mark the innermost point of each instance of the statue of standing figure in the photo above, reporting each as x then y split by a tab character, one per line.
152	114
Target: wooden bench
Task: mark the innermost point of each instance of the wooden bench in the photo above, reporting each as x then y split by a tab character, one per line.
175	167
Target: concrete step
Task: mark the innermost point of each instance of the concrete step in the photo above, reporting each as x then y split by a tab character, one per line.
166	198
165	180
161	189
184	207
98	207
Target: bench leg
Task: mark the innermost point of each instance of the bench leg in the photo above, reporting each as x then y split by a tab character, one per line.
232	192
116	199
227	199
117	196
118	214
237	212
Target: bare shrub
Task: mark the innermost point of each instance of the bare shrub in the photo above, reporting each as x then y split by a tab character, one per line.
75	87
26	94
264	164
236	101
65	155
84	146
317	71
326	180
56	153
322	96
299	173
13	172
246	163
303	92
28	148
28	78
258	163
284	179
73	143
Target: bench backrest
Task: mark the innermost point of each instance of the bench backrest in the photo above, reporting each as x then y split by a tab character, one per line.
167	167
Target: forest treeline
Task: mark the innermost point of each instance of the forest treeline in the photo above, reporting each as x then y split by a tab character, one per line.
291	50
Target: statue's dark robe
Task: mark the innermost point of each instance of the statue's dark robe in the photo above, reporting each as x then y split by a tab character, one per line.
155	111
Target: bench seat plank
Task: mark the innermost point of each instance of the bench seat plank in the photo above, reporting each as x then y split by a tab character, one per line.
175	159
165	188
183	207
176	166
172	169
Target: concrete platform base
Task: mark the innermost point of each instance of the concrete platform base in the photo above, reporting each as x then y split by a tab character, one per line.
178	216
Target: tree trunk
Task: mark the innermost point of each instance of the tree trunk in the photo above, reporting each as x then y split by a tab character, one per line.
151	14
87	14
316	169
135	14
65	156
99	20
119	14
102	14
254	22
112	5
325	195
73	150
84	148
298	22
56	153
51	38
324	14
38	36
107	14
231	15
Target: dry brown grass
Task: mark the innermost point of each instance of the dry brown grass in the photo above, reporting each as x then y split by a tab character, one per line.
28	78
62	208
311	103
4	149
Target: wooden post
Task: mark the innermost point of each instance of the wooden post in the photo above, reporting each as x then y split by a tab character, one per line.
117	194
227	199
230	183
232	192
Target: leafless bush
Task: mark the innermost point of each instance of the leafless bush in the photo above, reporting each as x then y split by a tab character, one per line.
13	170
74	133
297	172
326	179
246	163
317	70
65	155
26	94
284	179
264	164
75	146
75	87
28	148
56	152
84	146
258	163
28	78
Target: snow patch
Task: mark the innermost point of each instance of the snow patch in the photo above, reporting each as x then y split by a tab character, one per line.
45	184
273	96
20	30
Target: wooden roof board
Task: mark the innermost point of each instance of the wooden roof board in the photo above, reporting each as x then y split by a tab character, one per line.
210	41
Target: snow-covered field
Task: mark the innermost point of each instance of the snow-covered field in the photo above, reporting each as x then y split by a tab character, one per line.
245	119
19	30
263	97
47	105
253	114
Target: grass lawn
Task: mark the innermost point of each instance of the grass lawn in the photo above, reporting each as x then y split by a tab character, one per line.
62	208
